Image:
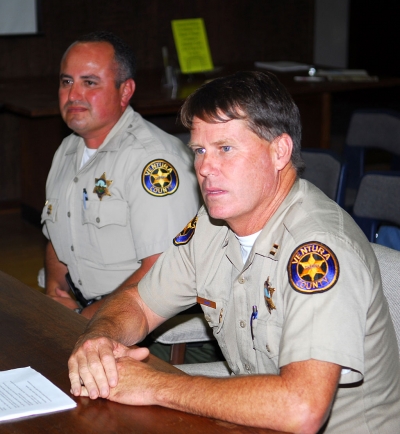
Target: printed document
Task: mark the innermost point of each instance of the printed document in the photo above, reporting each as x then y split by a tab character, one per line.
25	392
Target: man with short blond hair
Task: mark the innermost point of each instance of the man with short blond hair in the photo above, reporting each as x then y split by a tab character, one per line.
286	279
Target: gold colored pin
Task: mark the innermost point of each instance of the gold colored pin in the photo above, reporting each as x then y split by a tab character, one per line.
49	209
268	291
101	186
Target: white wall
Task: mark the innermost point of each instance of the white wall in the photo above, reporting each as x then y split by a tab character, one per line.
18	17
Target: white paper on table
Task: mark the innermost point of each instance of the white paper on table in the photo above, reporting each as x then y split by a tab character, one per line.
25	392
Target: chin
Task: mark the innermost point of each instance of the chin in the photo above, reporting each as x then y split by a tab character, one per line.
218	213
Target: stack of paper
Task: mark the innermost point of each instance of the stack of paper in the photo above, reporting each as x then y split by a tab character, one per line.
25	392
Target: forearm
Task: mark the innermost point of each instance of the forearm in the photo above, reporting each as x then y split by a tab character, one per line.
55	271
297	400
120	317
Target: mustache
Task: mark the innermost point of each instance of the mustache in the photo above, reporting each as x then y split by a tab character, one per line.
69	104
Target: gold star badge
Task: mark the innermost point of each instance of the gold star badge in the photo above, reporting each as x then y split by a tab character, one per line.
101	186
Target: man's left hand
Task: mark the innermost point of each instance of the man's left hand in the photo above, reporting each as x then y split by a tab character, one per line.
134	379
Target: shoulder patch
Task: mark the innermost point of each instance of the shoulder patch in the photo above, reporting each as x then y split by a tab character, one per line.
186	235
313	267
160	178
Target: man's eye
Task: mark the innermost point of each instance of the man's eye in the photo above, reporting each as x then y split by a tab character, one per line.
66	82
226	148
199	151
90	83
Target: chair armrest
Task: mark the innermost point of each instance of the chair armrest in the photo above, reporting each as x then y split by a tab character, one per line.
183	329
212	369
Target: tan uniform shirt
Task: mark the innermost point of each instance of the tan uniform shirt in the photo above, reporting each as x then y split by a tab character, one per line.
103	240
337	313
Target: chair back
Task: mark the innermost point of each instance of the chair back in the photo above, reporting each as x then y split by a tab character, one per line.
378	129
377	202
389	264
325	170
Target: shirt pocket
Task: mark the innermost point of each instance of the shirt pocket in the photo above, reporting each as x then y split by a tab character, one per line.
109	230
215	317
216	320
267	337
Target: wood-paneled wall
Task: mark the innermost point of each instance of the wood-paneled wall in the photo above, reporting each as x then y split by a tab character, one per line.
238	30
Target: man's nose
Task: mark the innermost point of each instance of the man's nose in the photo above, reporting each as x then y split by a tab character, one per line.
74	93
207	166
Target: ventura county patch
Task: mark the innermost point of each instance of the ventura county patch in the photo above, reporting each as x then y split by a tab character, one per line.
313	267
187	233
159	178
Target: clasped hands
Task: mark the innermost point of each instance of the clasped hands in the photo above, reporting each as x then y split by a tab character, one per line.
101	367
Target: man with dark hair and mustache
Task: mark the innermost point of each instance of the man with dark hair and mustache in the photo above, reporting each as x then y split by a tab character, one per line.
119	188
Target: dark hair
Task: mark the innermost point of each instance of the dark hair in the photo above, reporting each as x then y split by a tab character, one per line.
123	54
258	98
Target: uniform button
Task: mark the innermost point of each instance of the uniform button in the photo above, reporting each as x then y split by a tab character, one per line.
68	214
98	219
242	324
80	282
207	317
247	367
72	248
241	279
76	179
267	347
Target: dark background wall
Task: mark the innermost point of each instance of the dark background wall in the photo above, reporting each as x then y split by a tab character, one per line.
237	30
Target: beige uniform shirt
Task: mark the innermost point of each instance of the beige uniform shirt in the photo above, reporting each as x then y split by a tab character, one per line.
152	195
327	298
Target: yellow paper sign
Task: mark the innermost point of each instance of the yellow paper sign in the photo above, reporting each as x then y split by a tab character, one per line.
192	45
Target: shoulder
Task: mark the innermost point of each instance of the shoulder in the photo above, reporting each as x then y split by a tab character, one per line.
320	232
202	230
144	134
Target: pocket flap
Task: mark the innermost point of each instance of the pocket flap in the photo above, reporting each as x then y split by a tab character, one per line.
110	212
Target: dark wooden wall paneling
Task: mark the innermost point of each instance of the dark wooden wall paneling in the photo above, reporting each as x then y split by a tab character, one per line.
238	30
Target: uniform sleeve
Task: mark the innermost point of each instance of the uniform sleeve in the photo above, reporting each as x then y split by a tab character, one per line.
170	286
163	197
329	324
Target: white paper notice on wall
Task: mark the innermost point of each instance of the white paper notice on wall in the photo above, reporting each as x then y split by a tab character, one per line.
26	392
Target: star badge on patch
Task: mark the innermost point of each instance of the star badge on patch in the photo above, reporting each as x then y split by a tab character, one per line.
101	186
160	178
185	236
313	267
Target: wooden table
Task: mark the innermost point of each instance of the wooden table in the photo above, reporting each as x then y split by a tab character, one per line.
34	102
38	332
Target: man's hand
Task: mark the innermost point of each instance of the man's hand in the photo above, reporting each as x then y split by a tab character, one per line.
93	364
136	380
64	298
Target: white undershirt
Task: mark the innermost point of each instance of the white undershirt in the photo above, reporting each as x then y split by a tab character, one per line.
87	153
246	244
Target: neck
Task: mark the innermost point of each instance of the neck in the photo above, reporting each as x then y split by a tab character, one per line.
256	222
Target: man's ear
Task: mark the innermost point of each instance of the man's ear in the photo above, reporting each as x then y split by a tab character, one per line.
283	149
127	89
